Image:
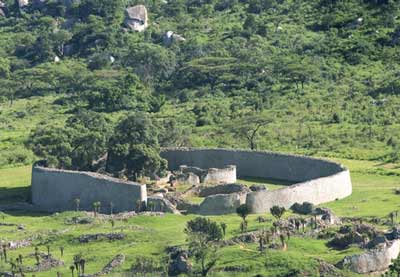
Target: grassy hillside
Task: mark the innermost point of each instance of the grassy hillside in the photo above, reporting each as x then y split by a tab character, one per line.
320	76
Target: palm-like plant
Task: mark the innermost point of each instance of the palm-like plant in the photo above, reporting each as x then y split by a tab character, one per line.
77	203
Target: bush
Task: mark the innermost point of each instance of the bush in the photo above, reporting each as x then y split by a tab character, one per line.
19	156
305	208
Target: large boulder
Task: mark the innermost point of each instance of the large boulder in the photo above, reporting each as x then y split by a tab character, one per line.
179	261
394	234
136	18
23	3
221	204
258	187
160	204
170	37
374	260
185	178
327	216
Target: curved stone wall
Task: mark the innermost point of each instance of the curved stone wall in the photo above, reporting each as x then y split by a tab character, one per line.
56	190
316	180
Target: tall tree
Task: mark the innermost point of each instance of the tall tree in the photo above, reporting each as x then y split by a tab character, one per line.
134	150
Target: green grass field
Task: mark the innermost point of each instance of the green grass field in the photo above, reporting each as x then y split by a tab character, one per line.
372	196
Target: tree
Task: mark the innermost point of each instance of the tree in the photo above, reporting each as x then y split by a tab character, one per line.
249	128
77	145
277	211
223	227
134	150
72	268
243	211
77	202
202	233
394	268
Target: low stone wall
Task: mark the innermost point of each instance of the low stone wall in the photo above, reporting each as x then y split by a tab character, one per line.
317	181
223	189
375	260
223	175
56	190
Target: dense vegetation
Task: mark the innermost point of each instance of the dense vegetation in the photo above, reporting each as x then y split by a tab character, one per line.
317	77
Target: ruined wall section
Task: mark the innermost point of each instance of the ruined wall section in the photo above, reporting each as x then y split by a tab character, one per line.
225	175
56	190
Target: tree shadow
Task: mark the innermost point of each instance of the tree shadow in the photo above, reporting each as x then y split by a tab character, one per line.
11	195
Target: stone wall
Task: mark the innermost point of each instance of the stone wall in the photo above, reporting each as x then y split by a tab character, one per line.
223	189
225	175
261	164
316	191
56	190
317	181
221	175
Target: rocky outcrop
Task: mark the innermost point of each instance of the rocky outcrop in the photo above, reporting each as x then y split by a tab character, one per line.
160	204
97	237
170	37
374	260
46	263
327	270
258	187
223	189
23	3
179	261
185	178
2	9
327	217
221	204
115	262
136	18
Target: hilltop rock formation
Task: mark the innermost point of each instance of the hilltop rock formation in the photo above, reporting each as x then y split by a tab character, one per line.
136	18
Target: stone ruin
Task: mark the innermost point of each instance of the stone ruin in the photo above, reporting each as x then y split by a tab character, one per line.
136	18
193	175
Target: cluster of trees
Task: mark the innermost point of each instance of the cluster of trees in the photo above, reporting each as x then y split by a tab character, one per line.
87	141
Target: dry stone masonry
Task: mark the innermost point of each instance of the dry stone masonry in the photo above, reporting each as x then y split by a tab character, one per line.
316	181
57	190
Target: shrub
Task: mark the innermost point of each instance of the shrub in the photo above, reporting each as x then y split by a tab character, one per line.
305	208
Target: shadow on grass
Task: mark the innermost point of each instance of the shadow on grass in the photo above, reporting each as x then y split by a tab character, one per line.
11	195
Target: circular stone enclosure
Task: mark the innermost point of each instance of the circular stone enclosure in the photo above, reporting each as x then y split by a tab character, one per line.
315	180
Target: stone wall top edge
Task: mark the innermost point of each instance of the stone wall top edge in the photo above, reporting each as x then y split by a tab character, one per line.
252	151
295	185
87	173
